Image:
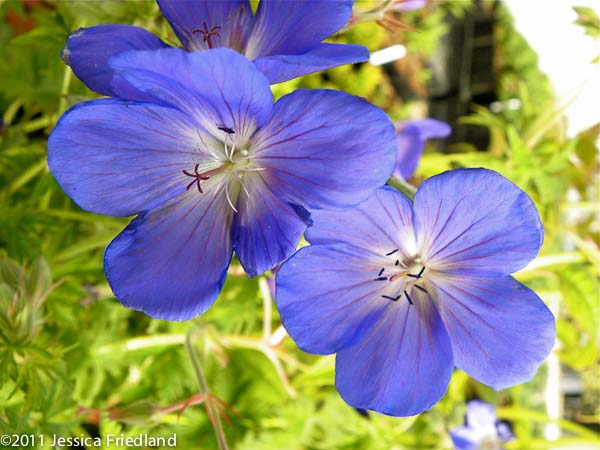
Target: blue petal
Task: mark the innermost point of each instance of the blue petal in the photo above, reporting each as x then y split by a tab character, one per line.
500	330
267	229
118	158
380	224
188	18
287	28
279	68
402	366
217	87
171	262
327	297
325	148
476	219
480	414
410	5
411	137
88	49
465	438
505	434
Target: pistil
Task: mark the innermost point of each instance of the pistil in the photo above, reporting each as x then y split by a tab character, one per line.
207	33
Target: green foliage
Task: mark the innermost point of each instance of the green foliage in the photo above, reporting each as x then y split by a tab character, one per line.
589	20
74	362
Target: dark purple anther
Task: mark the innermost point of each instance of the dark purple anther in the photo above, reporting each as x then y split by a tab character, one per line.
408	298
422	289
226	129
418	275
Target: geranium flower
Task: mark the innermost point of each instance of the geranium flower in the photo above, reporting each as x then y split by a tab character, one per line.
411	136
482	430
211	165
403	294
284	38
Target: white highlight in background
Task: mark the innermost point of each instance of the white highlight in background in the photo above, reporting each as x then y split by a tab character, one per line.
387	55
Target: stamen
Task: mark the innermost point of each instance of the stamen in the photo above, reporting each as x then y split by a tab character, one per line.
397	262
391	253
380	279
231	151
408	298
421	289
394	299
418	275
381	271
243	186
227	195
228	131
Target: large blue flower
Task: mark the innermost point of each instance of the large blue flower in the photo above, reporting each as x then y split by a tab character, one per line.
482	430
402	294
284	38
211	165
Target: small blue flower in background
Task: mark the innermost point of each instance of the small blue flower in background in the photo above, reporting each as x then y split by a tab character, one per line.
410	5
211	166
403	294
482	430
411	136
284	38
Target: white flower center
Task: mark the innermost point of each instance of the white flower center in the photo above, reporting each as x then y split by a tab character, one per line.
406	276
230	166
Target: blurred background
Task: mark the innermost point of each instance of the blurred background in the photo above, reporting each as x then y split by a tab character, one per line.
517	80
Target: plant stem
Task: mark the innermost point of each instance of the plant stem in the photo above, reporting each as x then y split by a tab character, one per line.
189	347
404	187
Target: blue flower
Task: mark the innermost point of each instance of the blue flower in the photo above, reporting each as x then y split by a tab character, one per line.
284	39
211	165
482	430
410	5
411	136
404	293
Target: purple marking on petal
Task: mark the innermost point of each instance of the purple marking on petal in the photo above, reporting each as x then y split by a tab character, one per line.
88	49
500	330
475	219
290	28
136	172
380	224
280	68
201	85
267	229
193	20
327	298
308	163
171	262
403	366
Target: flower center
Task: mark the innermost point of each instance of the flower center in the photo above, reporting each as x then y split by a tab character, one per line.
233	163
406	275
